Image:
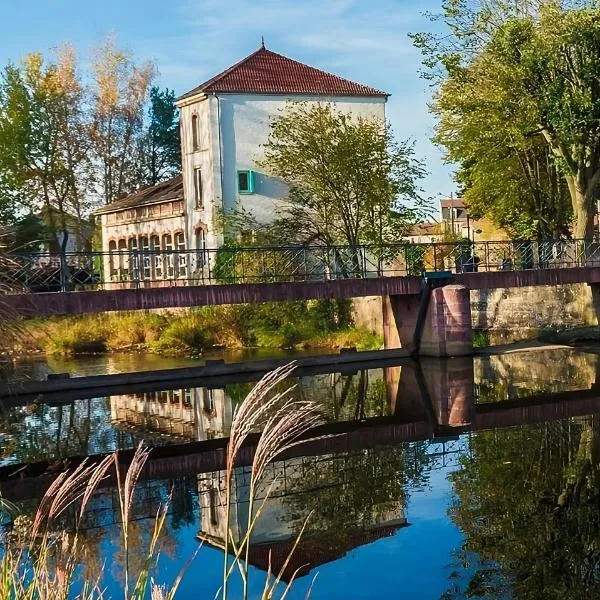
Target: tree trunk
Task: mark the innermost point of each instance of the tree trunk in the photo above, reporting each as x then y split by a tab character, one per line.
583	208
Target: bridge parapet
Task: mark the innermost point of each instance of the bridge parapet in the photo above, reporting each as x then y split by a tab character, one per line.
141	269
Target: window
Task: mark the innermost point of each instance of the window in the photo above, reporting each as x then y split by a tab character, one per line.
112	248
134	258
198	188
200	247
156	256
145	248
213	499
208	401
246	182
181	254
168	248
195	132
123	260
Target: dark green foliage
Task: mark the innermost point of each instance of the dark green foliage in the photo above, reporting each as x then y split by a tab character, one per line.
415	259
160	151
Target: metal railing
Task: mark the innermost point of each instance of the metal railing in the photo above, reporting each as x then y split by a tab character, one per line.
45	272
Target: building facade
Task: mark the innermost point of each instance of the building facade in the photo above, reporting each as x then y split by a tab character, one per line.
224	122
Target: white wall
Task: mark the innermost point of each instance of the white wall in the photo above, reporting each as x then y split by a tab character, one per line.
245	127
232	129
201	158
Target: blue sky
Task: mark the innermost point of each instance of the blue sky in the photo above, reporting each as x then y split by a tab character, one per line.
191	40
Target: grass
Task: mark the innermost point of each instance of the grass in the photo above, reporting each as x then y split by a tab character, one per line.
41	560
274	325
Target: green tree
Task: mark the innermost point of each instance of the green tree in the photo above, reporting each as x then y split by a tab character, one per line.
43	146
348	177
160	148
518	86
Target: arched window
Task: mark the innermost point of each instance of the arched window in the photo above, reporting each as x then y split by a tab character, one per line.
200	247
134	259
145	252
156	256
181	254
112	264
168	249
195	132
123	260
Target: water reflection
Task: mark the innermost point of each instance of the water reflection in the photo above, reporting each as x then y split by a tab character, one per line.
520	485
528	502
436	394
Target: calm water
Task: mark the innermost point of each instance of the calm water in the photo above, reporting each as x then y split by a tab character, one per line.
497	497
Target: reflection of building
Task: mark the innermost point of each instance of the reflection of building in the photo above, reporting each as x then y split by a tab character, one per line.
194	414
290	485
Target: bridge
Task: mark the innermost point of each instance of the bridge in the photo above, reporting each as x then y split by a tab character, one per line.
430	319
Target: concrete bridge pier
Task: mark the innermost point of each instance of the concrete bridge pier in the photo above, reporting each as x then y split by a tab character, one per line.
445	330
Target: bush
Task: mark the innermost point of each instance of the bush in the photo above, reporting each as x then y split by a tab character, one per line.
85	335
271	325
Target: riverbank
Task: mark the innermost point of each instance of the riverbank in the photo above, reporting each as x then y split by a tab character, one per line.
293	325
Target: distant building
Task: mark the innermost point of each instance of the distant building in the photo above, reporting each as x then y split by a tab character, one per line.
224	123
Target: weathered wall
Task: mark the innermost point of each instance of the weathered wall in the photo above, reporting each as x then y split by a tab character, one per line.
520	313
509	313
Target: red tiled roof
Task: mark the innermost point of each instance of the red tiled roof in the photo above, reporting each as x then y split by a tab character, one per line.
266	72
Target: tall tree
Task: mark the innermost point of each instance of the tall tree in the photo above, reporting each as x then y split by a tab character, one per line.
535	66
43	147
348	177
160	146
119	93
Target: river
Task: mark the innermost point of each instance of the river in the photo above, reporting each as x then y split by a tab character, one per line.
500	498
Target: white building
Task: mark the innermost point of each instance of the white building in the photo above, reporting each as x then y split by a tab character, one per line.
224	123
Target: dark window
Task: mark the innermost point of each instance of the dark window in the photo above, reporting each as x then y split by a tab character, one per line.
195	132
246	182
198	188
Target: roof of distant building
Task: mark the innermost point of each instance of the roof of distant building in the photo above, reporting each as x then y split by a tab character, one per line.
452	203
266	72
424	229
172	189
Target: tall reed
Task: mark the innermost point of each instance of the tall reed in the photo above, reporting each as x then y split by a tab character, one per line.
40	561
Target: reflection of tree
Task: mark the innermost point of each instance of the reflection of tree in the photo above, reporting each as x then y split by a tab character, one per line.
43	432
101	525
342	397
355	492
528	500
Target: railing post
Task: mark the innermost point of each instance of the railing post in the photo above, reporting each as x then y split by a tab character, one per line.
64	272
435	257
136	270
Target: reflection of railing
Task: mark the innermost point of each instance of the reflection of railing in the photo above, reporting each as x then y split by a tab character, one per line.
234	265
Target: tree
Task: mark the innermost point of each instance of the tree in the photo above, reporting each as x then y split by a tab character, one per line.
119	95
519	79
160	147
43	147
348	178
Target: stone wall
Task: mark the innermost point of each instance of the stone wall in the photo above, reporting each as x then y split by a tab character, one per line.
520	313
508	314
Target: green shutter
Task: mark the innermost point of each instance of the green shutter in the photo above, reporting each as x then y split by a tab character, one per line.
245	182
